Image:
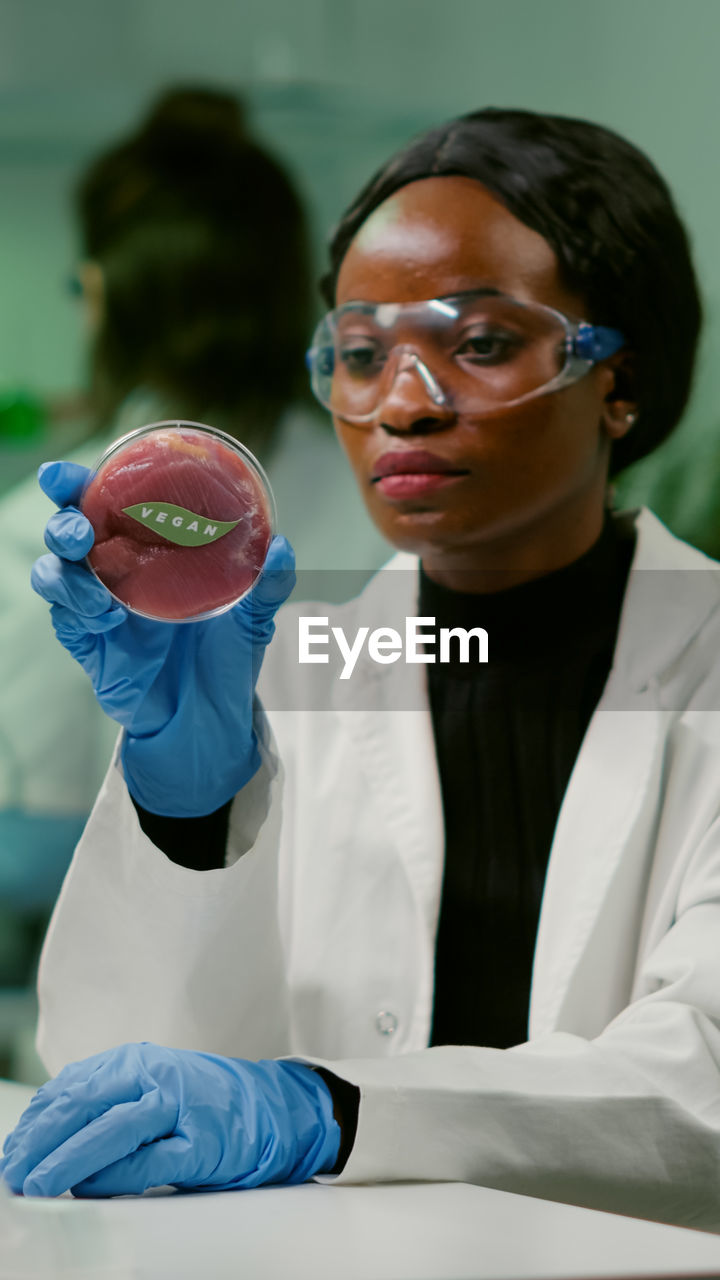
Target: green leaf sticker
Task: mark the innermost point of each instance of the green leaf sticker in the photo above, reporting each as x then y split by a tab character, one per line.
178	524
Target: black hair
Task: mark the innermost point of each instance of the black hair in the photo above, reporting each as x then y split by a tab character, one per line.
202	240
611	221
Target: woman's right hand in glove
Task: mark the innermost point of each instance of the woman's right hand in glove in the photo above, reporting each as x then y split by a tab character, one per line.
183	692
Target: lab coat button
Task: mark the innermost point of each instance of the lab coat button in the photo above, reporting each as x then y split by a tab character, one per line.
386	1023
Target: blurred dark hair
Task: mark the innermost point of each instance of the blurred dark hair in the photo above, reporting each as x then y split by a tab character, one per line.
608	215
202	240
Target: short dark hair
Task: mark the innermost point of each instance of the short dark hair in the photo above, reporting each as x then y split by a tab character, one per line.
610	219
202	239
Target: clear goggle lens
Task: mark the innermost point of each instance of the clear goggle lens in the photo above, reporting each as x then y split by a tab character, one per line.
476	352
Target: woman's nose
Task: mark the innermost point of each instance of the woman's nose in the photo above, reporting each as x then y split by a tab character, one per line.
414	401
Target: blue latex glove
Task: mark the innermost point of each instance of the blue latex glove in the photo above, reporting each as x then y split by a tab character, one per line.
142	1116
182	691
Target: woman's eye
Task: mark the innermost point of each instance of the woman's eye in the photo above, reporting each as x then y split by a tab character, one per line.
490	347
361	358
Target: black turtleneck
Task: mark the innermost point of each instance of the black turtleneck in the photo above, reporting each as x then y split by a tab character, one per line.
507	735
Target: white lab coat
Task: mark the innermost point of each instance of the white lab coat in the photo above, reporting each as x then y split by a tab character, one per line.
317	939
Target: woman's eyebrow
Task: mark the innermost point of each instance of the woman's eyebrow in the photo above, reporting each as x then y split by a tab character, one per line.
482	291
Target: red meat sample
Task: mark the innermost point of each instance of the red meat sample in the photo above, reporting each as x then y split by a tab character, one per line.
201	474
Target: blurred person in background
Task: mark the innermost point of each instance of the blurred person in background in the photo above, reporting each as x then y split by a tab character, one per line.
194	275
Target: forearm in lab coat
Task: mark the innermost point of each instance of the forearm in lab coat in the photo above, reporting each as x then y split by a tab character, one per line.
140	948
628	1122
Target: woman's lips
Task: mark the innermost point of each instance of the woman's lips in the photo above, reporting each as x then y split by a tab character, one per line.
410	473
416	483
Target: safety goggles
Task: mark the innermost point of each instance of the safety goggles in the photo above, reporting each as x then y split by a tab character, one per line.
475	352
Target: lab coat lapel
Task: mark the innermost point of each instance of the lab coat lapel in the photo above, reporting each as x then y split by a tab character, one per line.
602	851
601	837
385	713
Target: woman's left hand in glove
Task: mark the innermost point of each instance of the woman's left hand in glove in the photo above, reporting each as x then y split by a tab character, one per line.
141	1116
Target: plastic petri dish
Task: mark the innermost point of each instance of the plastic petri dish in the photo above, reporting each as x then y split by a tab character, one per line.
183	516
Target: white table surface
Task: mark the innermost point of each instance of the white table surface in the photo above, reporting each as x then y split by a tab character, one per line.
423	1231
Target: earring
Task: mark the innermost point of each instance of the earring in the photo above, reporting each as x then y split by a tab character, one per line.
631	419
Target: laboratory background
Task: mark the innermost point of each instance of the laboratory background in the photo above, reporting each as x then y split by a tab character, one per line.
331	87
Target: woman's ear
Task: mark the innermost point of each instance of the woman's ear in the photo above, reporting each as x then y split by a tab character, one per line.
620	408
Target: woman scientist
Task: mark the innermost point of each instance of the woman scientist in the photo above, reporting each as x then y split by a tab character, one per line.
356	879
